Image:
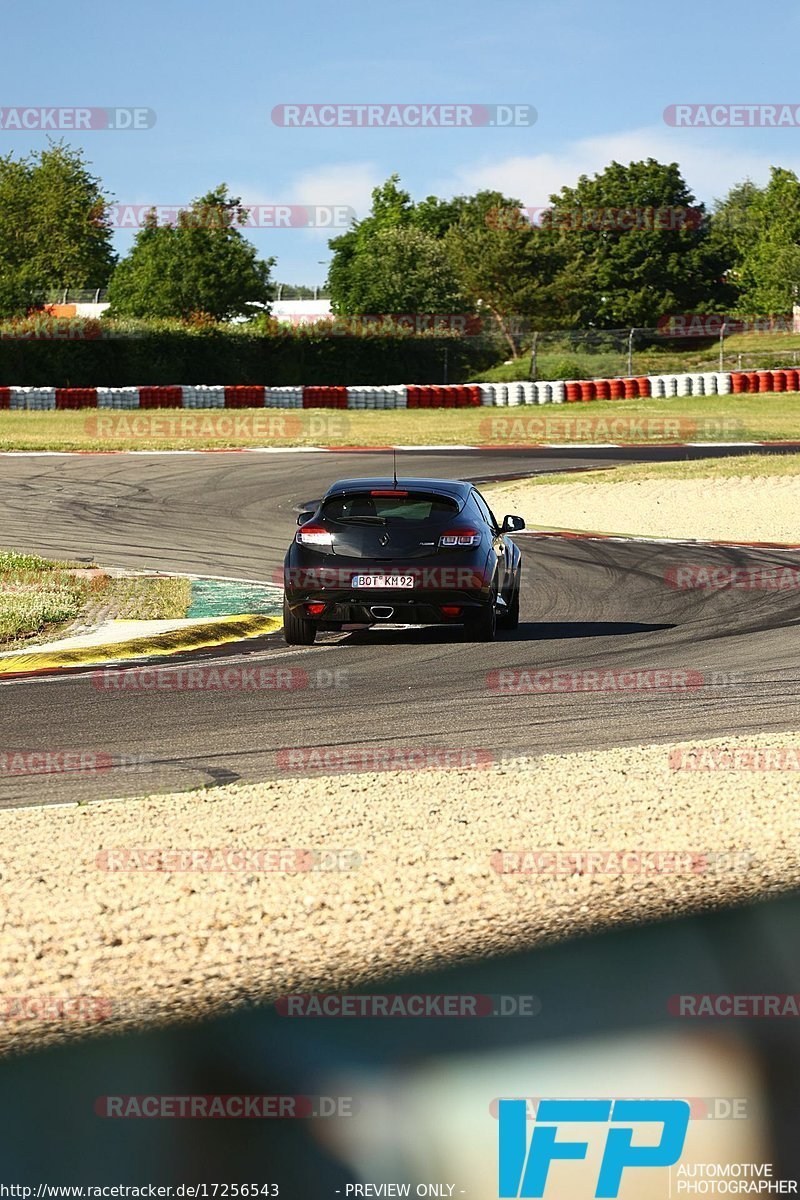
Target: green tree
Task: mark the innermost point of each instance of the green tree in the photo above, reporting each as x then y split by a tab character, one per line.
735	225
392	209
54	227
402	269
769	275
506	267
399	258
620	267
200	265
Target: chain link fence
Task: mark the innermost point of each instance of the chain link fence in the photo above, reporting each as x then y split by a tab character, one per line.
609	353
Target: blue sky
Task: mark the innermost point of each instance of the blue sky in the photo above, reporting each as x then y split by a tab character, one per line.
599	75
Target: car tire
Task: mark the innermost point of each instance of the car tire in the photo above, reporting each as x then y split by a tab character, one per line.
510	618
483	626
297	631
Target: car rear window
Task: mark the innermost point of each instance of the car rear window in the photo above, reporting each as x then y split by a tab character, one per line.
414	506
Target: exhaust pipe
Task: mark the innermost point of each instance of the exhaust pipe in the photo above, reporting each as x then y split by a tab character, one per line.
382	612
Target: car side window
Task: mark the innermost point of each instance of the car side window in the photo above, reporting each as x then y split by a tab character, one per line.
485	511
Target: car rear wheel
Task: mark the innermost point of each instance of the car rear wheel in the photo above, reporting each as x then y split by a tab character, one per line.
483	626
510	618
297	631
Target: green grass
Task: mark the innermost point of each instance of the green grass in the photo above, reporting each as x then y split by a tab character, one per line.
150	599
745	466
560	358
767	417
40	597
37	595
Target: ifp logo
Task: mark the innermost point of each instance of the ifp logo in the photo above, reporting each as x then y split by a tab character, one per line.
523	1169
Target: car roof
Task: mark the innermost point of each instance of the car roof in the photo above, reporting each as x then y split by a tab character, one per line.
449	487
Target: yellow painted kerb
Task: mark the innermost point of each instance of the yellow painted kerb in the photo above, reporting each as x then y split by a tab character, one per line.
216	631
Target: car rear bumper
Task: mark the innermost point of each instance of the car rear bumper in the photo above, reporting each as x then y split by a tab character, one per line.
454	583
387	606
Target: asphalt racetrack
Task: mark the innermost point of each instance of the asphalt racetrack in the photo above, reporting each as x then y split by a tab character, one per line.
586	606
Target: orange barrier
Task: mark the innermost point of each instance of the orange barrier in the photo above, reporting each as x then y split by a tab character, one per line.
617	388
738	382
764	381
573	392
5	397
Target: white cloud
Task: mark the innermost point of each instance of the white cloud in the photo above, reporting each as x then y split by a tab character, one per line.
710	166
344	184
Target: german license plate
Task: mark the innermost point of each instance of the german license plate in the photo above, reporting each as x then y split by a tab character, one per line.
383	581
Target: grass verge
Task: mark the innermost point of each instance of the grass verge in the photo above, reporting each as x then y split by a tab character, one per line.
745	466
769	417
36	594
137	599
566	358
40	597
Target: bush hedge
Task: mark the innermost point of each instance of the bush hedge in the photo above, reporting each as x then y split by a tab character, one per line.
118	354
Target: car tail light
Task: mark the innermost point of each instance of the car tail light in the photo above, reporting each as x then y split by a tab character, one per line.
453	538
388	492
313	535
451	610
315	610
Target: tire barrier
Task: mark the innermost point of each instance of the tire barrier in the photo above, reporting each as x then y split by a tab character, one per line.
76	397
377	397
324	397
243	396
161	397
473	395
283	397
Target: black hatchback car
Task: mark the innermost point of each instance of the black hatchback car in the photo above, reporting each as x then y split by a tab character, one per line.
412	552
